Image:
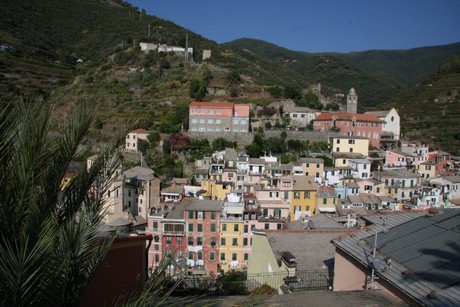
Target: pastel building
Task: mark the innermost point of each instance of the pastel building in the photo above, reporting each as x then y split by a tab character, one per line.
303	197
312	166
218	117
391	127
399	159
350	144
134	138
350	124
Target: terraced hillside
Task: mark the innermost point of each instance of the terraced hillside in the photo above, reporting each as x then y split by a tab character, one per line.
431	112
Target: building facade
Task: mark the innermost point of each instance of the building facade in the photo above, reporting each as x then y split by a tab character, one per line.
217	117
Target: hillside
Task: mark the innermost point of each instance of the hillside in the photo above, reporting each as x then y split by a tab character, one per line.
431	111
377	75
64	50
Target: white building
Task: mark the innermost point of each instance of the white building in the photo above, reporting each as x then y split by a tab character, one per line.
134	138
146	47
361	168
391	128
300	116
418	150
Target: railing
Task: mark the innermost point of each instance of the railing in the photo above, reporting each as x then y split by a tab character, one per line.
151	230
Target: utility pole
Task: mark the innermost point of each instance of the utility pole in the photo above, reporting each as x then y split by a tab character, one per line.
186	47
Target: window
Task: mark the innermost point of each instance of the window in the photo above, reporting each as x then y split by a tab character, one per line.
200	227
199	215
337	149
156	239
222	256
200	255
222	241
190	215
245	241
351	149
267	226
273	194
202	121
296	209
265	212
190	255
306	194
168	240
234	257
218	121
210	121
213	227
246	228
213	215
324	201
246	256
351	141
213	241
210	111
157	247
236	227
212	256
199	241
179	240
190	241
235	242
277	213
157	258
296	195
279	226
224	227
194	121
190	227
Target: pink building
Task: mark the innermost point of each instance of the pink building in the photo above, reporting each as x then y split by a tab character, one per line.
365	125
399	159
443	161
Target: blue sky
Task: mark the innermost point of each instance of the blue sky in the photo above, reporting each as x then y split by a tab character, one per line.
317	25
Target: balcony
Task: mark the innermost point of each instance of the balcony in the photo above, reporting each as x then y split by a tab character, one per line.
151	230
173	232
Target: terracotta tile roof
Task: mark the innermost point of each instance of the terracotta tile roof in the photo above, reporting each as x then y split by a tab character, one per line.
242	110
138	131
348	116
212	104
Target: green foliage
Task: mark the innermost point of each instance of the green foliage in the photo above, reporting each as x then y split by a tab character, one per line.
221	143
233	78
47	255
153	137
143	147
292	92
254	150
276	92
197	89
233	283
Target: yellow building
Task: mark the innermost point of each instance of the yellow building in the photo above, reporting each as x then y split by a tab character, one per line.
216	189
303	197
231	245
427	169
326	199
350	144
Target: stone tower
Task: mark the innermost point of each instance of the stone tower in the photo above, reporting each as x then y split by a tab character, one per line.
352	101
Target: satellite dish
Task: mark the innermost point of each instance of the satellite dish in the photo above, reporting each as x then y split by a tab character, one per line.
377	263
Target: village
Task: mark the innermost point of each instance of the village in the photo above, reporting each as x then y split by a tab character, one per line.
285	224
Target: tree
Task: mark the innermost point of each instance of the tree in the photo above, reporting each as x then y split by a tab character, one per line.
292	92
233	78
179	141
233	283
276	92
49	247
197	89
153	137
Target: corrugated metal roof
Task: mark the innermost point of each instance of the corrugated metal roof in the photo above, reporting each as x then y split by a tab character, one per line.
428	246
